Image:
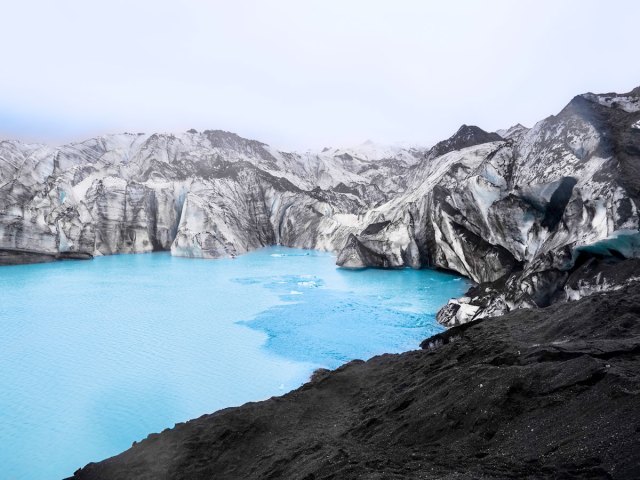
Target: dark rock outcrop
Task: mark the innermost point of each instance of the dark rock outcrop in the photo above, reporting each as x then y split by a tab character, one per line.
543	393
466	136
355	254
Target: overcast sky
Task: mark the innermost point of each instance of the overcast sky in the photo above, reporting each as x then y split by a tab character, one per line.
305	73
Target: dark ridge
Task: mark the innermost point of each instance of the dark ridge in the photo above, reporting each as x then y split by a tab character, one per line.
368	256
374	228
466	136
478	247
223	139
342	188
545	393
595	268
345	157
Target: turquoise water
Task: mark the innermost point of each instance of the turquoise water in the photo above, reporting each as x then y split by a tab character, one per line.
97	354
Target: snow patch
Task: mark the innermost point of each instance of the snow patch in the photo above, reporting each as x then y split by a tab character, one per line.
346	219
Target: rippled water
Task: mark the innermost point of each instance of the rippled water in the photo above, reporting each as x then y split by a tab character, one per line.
97	354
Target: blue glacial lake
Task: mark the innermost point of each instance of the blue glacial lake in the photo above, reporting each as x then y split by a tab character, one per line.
97	354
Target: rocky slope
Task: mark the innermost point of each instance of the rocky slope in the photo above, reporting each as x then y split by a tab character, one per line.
542	393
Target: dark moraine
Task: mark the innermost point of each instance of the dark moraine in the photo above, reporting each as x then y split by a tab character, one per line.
22	257
546	393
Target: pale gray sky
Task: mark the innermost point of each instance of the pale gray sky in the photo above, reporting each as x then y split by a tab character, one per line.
305	73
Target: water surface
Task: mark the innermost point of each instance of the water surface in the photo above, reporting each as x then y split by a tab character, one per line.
97	354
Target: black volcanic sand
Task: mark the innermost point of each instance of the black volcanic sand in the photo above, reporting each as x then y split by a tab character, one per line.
548	393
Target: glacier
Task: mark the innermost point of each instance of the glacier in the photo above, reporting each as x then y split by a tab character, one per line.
520	211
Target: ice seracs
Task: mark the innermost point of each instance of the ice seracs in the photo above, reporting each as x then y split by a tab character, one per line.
517	215
210	194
